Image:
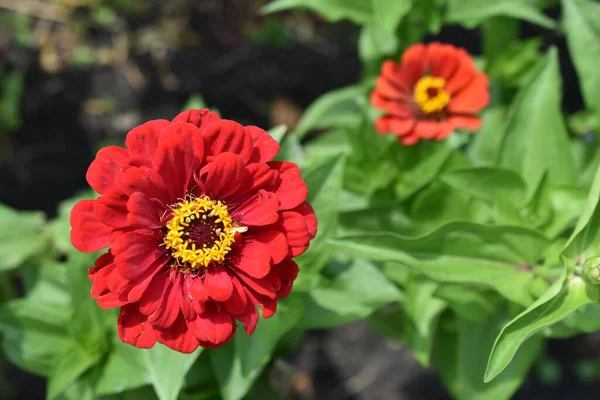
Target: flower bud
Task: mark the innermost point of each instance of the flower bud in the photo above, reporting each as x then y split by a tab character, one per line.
591	271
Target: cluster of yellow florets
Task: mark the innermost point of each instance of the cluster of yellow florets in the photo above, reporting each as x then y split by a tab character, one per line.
431	104
196	210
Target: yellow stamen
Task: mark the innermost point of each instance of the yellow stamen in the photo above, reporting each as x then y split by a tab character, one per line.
431	104
187	213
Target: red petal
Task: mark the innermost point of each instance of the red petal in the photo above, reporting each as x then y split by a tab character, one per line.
142	141
265	147
396	108
101	173
173	162
134	329
262	177
153	296
169	307
137	288
88	234
287	270
144	212
308	213
178	337
262	286
472	98
469	122
398	126
217	283
237	302
197	290
464	73
213	327
296	230
199	118
136	251
226	136
147	181
253	260
292	189
259	210
413	64
273	240
223	176
249	318
111	209
427	129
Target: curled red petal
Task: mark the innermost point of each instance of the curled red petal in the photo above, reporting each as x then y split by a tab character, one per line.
217	283
101	173
134	329
292	190
142	140
88	234
226	136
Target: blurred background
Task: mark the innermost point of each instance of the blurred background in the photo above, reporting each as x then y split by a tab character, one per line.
76	75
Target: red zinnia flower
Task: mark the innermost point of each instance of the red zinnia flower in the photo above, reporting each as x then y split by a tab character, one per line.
434	90
202	228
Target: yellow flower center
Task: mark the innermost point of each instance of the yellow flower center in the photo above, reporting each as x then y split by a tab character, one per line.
200	232
430	94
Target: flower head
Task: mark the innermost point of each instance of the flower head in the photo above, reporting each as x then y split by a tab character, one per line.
201	228
431	92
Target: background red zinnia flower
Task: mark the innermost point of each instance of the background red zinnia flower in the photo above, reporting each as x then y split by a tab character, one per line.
202	228
431	92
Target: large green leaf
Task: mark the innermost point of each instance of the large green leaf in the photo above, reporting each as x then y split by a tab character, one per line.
487	143
581	21
487	183
73	362
125	369
324	190
167	369
473	12
536	140
357	11
419	165
337	108
387	14
423	310
20	236
546	311
469	302
584	239
347	298
461	355
239	363
462	252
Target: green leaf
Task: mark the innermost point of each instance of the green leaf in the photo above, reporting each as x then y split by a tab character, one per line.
474	12
337	108
69	366
357	11
374	44
461	252
419	165
125	369
87	323
324	190
581	21
584	239
536	140
238	364
423	311
20	236
11	94
167	369
461	356
487	144
347	298
278	132
487	183
387	14
195	101
468	302
561	300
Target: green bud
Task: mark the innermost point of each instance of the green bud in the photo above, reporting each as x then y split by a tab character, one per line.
591	271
